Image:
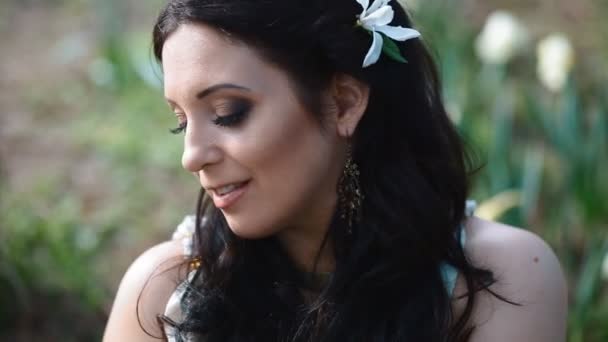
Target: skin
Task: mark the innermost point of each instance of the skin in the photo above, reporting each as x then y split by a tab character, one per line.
527	272
280	140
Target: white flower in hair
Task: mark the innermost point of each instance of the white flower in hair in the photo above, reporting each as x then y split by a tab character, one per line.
375	19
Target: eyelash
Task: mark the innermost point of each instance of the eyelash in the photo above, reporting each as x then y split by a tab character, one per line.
222	121
179	129
233	119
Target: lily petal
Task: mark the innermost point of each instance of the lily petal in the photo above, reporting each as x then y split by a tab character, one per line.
398	33
365	5
377	4
374	51
381	17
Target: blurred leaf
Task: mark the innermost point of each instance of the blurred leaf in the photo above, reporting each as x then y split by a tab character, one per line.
531	180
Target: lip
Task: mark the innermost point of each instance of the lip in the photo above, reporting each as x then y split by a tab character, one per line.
226	201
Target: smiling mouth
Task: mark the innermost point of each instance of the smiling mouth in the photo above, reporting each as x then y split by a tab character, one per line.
226	196
225	190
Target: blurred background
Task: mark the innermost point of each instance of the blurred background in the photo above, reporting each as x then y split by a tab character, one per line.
90	176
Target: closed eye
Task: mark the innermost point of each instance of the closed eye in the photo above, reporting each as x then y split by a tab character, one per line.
239	112
230	120
179	129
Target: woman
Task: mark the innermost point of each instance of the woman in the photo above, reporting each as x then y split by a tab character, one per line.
333	191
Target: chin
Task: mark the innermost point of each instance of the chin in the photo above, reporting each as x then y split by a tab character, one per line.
248	231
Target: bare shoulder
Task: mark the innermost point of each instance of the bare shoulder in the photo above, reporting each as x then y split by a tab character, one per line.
528	273
143	293
508	248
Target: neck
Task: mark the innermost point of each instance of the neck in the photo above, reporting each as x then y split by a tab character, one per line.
309	253
303	239
305	245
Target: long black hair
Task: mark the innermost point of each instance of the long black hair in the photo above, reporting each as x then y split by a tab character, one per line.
387	284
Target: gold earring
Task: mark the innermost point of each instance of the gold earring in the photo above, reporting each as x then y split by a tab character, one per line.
350	197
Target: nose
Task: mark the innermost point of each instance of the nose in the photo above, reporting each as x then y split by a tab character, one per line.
200	151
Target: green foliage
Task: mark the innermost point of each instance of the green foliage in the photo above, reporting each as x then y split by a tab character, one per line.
67	237
390	48
48	258
549	149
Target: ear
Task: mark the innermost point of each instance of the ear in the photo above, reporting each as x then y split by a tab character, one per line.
348	101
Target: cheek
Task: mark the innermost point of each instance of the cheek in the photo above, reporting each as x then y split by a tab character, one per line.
281	140
289	159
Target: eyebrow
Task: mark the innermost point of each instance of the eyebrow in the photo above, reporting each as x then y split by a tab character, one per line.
214	88
217	87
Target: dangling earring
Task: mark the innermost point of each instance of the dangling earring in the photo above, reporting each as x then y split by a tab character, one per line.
350	196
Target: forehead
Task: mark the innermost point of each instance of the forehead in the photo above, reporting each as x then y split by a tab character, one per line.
196	56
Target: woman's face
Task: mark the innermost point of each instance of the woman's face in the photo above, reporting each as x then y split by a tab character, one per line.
260	155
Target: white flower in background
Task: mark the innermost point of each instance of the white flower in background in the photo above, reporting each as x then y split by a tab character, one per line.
375	19
502	37
555	59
